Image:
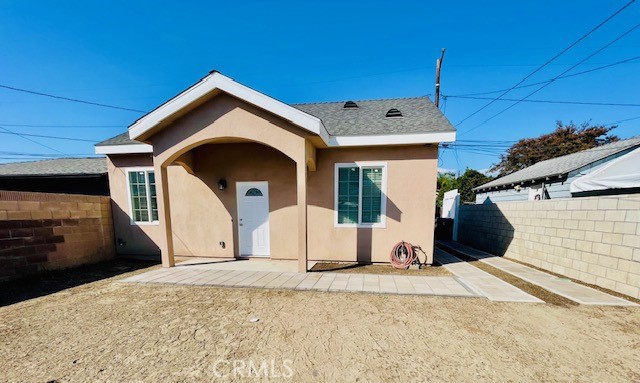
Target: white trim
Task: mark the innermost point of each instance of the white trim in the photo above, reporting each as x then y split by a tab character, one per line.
333	141
259	184
145	169
124	149
218	81
215	81
393	139
383	201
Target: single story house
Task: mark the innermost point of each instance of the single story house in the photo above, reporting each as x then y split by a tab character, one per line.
222	170
59	175
618	176
553	178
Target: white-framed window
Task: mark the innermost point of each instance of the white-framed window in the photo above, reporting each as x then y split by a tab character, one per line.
360	194
143	204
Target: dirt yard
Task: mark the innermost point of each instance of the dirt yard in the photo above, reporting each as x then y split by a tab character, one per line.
435	270
105	331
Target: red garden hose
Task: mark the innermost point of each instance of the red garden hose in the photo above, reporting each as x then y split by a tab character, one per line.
402	255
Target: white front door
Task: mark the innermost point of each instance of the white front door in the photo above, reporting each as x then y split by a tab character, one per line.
253	218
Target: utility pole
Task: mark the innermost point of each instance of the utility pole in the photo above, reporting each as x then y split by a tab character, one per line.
438	67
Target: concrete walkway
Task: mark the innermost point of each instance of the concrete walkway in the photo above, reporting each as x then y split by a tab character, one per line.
561	286
200	274
482	282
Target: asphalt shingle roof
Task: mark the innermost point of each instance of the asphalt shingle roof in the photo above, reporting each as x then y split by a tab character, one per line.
120	139
563	165
419	115
55	167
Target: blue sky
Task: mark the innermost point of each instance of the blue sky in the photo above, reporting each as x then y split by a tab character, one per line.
139	54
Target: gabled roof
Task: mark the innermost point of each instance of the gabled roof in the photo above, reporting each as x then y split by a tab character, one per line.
367	124
217	81
563	165
419	115
55	167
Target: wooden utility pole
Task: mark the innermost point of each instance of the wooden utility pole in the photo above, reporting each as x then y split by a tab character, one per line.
438	67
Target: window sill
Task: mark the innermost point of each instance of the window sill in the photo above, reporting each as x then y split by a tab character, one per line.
382	225
143	223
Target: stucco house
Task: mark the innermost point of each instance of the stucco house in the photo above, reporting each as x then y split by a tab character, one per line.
222	170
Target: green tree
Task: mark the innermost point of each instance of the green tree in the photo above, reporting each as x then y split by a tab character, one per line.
446	182
469	180
566	139
465	184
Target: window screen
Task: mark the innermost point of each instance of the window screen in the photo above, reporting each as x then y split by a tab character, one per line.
144	205
371	195
348	190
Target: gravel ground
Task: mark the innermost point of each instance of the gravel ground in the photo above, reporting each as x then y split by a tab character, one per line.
105	331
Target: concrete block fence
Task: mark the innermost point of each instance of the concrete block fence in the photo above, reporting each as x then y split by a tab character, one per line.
45	231
592	239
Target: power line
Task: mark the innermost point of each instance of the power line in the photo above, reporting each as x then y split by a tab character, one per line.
22	154
62	126
71	99
552	80
621	121
26	137
548	62
547	101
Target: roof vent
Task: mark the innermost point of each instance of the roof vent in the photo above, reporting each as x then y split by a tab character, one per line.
393	112
350	105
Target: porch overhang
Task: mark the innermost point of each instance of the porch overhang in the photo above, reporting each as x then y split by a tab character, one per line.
215	83
209	86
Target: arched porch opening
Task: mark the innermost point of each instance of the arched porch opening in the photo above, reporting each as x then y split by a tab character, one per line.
199	218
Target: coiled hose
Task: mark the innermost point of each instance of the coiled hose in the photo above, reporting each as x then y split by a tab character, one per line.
402	255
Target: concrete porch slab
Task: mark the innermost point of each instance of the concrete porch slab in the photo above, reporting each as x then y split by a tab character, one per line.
249	274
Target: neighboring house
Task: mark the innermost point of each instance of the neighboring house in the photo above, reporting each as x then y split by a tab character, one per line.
61	175
552	178
618	176
222	170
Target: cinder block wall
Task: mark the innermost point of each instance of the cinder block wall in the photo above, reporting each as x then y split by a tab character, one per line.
592	239
46	231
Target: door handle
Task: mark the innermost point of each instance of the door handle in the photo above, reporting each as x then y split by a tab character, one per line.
240	224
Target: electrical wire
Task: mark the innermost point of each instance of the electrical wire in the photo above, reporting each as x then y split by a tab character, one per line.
551	80
621	121
62	126
70	99
554	79
6	153
548	62
546	101
26	137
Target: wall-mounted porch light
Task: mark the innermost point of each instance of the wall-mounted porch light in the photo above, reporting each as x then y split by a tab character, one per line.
222	184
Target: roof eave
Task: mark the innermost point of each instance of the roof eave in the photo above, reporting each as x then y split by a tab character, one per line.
393	139
217	81
124	149
522	182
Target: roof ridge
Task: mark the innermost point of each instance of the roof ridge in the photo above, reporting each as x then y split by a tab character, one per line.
594	149
364	100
